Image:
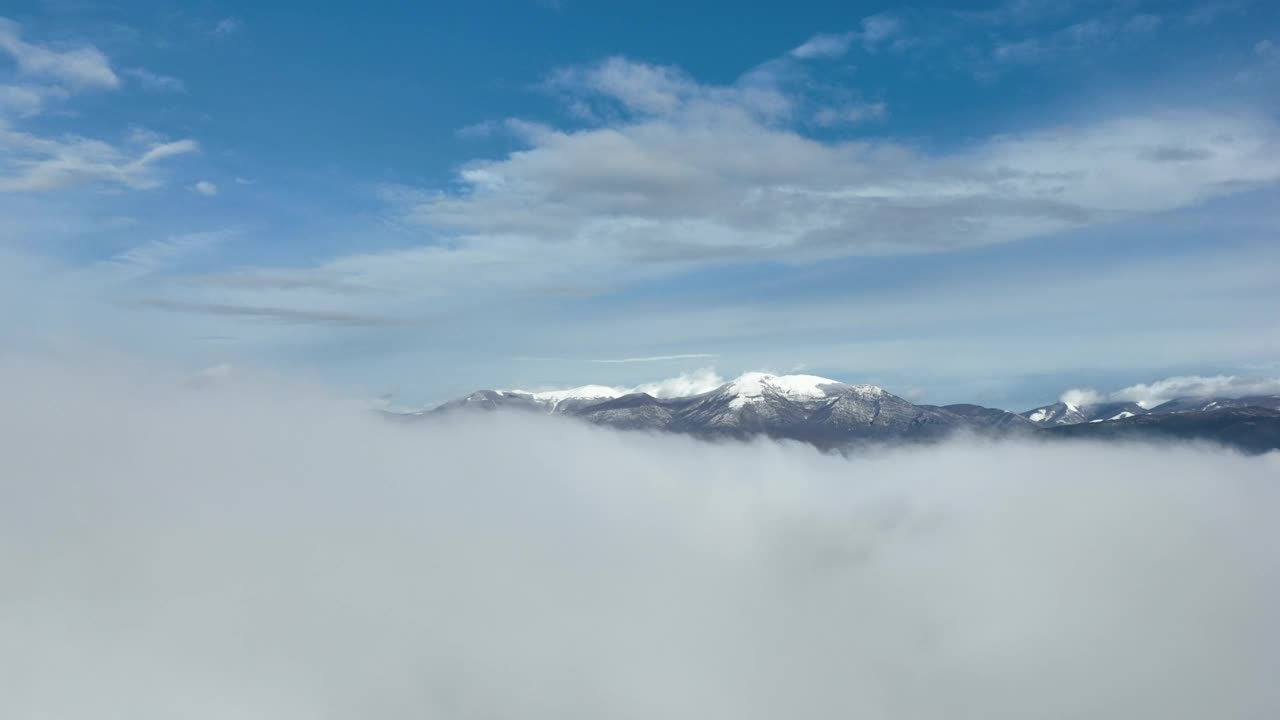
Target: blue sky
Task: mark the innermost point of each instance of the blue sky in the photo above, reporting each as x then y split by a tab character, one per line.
986	202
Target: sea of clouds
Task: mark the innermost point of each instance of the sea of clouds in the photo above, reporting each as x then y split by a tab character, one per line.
259	548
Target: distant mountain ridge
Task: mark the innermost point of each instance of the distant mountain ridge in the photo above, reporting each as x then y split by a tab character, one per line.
832	414
1062	413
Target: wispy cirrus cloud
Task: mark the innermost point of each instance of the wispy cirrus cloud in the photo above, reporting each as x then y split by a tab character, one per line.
81	68
284	315
164	254
654	358
31	163
227	27
155	82
875	31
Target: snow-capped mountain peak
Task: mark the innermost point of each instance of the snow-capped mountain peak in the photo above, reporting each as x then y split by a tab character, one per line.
584	392
754	386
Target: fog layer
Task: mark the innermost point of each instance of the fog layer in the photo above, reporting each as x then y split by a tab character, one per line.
251	549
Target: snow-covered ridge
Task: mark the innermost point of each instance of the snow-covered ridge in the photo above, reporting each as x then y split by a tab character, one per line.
753	386
746	388
584	392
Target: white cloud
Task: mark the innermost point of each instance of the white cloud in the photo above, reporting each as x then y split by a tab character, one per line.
274	552
652	89
1021	51
227	26
850	113
1108	30
27	100
683	385
1267	52
33	163
876	30
204	187
163	255
1081	397
1220	386
671	182
825	45
659	90
1209	12
81	68
155	82
1149	395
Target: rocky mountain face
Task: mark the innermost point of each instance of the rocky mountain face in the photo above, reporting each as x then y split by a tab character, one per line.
1061	413
833	414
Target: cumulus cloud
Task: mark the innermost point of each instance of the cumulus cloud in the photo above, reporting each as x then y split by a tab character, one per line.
206	188
261	549
85	68
683	385
1080	397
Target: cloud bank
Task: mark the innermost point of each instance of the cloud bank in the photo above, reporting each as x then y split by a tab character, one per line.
261	549
1149	395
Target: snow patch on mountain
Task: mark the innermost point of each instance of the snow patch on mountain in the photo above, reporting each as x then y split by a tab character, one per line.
584	392
753	386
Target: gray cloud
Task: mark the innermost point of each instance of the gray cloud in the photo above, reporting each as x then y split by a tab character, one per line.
655	358
291	316
1174	154
259	548
264	279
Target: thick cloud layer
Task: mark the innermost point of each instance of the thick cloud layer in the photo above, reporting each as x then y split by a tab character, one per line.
261	550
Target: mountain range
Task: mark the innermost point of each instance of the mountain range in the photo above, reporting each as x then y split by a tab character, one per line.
832	414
